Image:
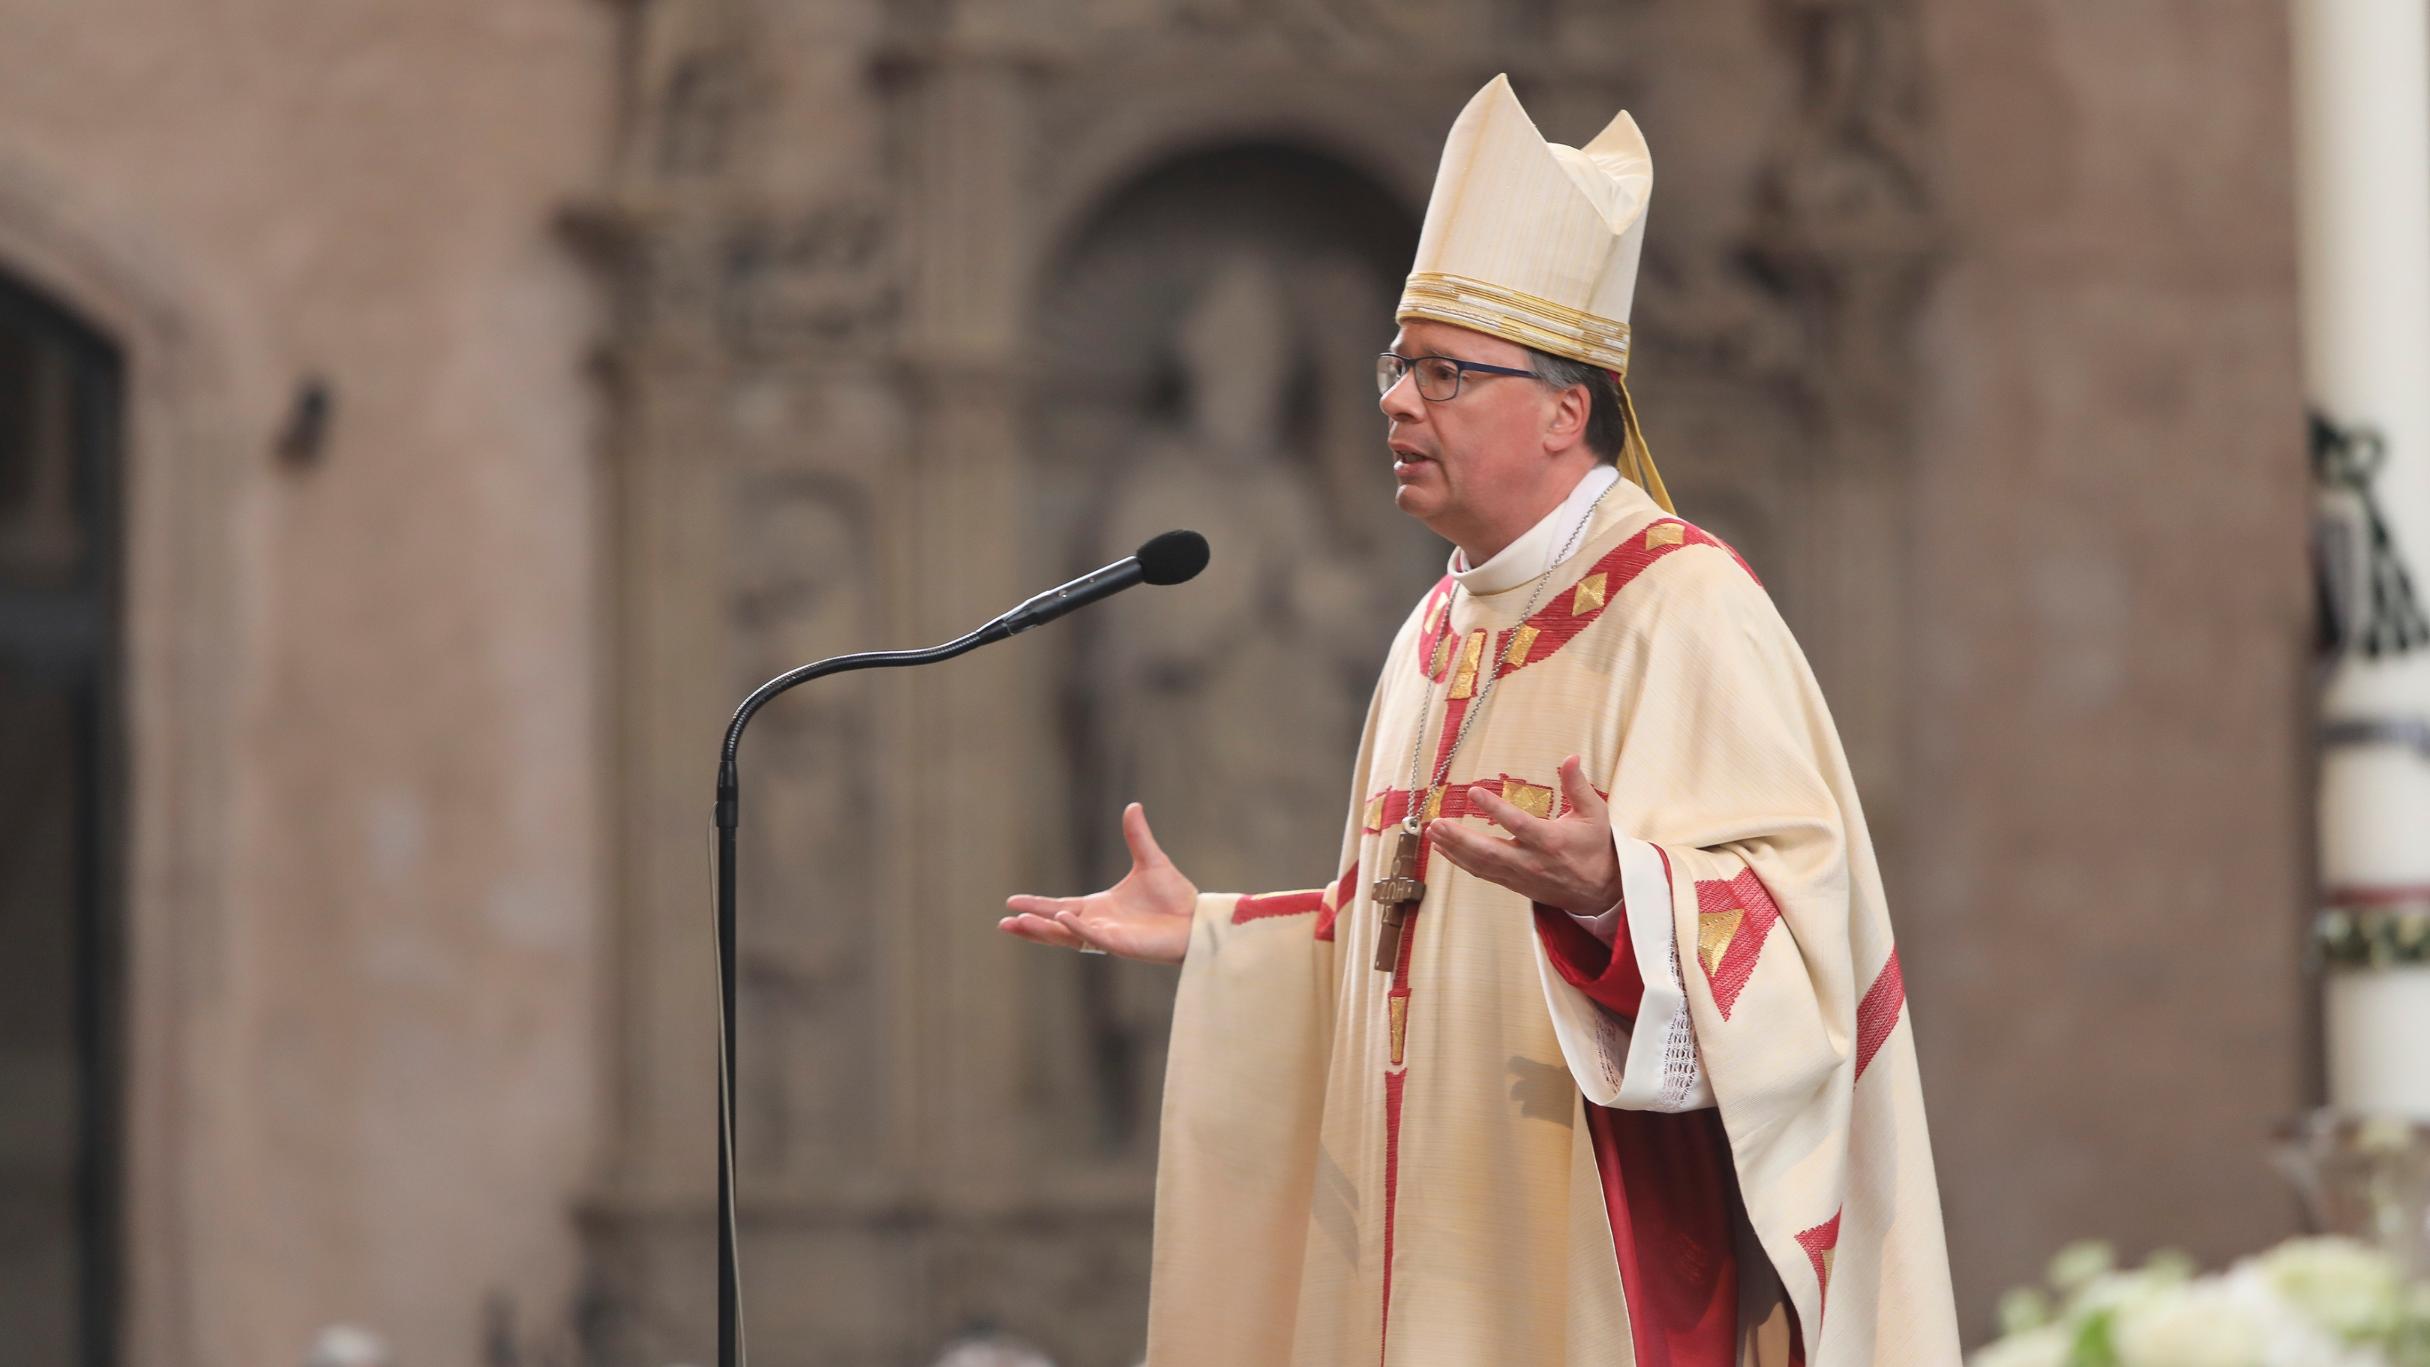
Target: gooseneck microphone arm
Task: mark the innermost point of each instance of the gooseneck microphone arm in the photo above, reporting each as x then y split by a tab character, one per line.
1167	559
729	807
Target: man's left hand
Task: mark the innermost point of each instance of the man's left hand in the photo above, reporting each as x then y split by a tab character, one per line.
1565	861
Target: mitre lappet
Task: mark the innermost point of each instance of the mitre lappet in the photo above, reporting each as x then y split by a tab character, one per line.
1537	243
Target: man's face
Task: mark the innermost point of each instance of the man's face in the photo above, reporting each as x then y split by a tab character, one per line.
1469	465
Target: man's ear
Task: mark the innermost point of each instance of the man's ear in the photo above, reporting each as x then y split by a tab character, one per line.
1565	426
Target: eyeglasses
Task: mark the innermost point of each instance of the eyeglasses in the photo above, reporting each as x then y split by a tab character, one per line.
1438	377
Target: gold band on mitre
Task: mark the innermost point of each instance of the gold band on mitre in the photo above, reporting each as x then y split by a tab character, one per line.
1533	321
1528	319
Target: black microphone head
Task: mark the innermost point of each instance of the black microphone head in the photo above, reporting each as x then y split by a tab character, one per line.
1172	557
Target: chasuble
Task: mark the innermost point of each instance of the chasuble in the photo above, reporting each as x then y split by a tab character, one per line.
1700	1143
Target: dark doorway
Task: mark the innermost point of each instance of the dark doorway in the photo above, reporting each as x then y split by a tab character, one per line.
61	836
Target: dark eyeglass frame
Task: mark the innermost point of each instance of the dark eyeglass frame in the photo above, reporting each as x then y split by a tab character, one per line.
1390	366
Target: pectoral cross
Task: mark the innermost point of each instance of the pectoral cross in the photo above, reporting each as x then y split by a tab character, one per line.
1395	894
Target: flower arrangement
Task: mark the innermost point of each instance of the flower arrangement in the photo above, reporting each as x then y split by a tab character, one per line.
2321	1302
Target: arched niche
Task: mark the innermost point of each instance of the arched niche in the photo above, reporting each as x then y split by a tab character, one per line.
1202	353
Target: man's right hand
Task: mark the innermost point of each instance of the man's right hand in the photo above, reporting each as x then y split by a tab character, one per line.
1146	916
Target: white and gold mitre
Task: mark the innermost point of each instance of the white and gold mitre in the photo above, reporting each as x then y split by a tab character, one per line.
1532	241
1537	243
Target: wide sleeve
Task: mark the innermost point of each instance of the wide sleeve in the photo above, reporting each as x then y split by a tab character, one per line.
1619	1010
1730	774
1734	857
1236	1156
1244	1094
1757	879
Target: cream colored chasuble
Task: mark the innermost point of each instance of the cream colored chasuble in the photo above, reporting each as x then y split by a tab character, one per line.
1361	1167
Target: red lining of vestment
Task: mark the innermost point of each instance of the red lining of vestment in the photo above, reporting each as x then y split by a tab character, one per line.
1668	1186
1668	1180
1607	974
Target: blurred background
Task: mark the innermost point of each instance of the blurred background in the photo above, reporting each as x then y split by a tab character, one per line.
420	423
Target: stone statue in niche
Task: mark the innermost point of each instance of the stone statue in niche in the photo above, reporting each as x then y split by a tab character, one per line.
1346	313
1224	708
802	591
1208	707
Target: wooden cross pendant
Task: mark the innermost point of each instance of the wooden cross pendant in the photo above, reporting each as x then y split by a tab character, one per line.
1395	894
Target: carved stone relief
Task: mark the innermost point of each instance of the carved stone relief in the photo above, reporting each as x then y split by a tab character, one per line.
1212	353
802	550
825	277
1201	308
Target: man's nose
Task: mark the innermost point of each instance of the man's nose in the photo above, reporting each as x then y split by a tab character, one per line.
1401	402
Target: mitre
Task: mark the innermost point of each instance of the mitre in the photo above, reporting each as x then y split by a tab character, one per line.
1537	243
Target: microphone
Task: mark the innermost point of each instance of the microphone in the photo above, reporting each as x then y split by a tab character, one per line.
1168	559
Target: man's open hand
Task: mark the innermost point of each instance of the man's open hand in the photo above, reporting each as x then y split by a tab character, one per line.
1145	916
1565	861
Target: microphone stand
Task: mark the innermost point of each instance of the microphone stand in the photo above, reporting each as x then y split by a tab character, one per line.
1167	559
729	806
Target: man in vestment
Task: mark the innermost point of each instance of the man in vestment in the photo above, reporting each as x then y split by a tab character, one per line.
1593	1049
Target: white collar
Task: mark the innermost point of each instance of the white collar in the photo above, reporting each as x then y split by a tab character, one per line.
1540	548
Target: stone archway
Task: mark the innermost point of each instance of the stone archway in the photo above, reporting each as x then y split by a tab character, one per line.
61	839
1207	333
174	629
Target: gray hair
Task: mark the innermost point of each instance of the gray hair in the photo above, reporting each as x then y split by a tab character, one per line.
1606	433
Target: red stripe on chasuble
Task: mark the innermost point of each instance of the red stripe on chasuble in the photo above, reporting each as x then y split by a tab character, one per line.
1280	904
1390	807
1576	607
1672	1196
1331	912
1325	902
1399	1003
1734	915
1392	1178
1877	1014
1573	608
1821	1244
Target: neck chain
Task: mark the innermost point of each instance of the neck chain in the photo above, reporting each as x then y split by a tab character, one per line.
1490	663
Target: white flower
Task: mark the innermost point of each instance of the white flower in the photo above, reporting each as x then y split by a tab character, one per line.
2201	1324
2121	1290
2339	1284
2043	1347
2239	1320
2024	1307
2080	1262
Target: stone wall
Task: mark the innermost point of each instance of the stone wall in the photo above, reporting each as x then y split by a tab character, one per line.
364	833
2112	705
919	304
675	341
